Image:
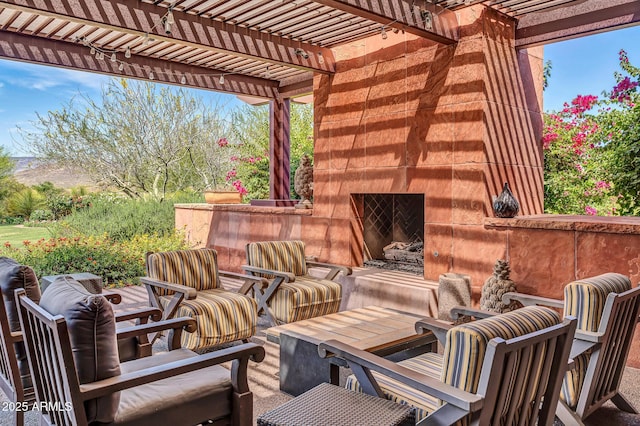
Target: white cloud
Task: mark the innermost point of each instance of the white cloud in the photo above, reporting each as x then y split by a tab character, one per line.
43	78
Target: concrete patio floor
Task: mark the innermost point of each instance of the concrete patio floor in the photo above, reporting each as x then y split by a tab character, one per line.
264	382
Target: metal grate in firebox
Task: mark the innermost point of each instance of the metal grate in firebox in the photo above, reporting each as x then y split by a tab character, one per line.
391	223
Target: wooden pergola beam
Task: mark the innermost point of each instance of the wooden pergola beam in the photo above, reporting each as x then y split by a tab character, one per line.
576	20
76	56
138	18
424	19
279	148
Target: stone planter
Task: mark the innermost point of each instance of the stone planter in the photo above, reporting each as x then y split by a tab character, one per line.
222	197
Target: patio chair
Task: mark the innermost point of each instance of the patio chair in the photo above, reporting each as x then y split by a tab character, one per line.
292	294
15	376
186	283
71	346
607	310
507	369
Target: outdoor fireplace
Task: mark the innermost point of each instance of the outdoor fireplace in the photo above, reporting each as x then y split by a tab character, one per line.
393	231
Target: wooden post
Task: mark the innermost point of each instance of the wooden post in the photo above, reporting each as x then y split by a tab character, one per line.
279	148
279	152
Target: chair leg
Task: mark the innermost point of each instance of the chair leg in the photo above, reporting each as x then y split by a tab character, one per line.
19	418
567	416
622	403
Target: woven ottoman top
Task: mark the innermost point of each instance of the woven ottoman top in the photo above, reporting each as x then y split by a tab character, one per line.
329	405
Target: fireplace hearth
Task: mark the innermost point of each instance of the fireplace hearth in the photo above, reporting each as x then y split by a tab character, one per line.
393	226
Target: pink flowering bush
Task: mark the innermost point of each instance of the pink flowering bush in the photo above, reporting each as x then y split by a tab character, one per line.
591	151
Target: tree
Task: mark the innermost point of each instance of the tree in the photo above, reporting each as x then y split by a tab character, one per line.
592	151
8	184
620	125
141	138
250	130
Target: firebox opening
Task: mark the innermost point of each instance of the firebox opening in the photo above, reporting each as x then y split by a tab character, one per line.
394	232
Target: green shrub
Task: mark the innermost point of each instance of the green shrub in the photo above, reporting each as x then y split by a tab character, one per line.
11	220
41	215
121	218
117	263
23	203
62	205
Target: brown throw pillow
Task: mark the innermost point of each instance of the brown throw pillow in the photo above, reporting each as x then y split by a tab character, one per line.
14	276
92	332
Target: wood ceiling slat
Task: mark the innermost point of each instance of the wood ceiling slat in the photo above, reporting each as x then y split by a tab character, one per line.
226	9
292	26
69	30
313	23
540	6
57	29
43	24
268	21
10	20
27	22
208	8
335	32
267	7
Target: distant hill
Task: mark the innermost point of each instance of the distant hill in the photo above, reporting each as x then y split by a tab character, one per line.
23	163
30	171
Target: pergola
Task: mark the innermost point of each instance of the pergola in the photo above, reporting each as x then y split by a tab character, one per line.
268	49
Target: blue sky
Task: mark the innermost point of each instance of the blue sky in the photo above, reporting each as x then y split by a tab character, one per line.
581	66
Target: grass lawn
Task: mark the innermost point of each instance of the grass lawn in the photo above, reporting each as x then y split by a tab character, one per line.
16	234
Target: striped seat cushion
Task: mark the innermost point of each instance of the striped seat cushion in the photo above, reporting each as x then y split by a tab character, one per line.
283	256
192	268
585	299
429	364
306	297
222	316
461	363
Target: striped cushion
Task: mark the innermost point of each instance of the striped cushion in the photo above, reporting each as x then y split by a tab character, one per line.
222	316
192	268
429	364
466	344
306	297
585	300
573	380
283	256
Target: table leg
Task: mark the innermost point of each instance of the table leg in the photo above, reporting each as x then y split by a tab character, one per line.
301	368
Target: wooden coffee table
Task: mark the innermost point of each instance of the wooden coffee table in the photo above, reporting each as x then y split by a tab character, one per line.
384	332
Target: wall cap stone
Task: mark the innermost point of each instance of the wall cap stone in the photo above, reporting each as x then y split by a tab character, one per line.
244	208
601	224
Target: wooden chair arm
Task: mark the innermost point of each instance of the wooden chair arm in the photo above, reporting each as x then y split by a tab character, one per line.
250	281
186	323
437	327
461	311
189	292
583	341
17	336
142	315
334	269
240	353
288	277
113	297
529	300
466	401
